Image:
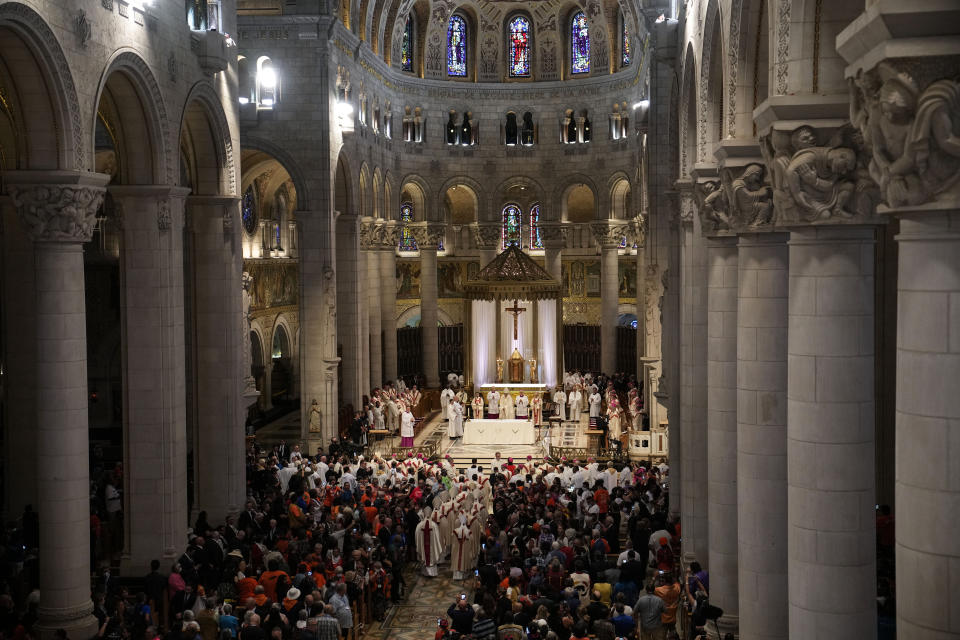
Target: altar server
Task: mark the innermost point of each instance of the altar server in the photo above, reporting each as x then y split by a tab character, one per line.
560	400
523	404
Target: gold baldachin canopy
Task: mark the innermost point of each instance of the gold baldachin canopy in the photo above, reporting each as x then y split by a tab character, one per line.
512	275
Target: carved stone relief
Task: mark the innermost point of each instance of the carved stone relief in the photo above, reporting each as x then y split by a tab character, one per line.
55	213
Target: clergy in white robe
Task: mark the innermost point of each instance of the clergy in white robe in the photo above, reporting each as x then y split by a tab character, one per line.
393	415
523	406
445	396
506	407
455	415
461	556
493	405
595	400
560	400
574	400
406	429
615	418
429	546
478	407
378	422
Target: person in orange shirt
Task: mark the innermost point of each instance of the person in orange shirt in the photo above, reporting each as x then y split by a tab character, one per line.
668	590
602	497
268	580
370	511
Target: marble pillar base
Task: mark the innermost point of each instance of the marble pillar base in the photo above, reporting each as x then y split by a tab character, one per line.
77	624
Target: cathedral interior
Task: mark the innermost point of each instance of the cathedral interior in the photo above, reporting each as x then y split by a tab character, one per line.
224	219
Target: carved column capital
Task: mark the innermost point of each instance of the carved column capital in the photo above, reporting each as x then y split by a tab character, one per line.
57	206
385	235
553	234
609	234
429	235
487	236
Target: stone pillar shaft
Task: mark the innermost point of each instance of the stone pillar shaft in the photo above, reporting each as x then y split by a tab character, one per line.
218	311
373	312
928	417
722	425
693	400
350	332
609	290
553	264
830	439
388	311
155	437
428	315
762	267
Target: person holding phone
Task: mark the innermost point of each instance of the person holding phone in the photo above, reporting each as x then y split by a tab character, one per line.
461	615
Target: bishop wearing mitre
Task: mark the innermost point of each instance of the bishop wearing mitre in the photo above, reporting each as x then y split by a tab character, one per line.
429	546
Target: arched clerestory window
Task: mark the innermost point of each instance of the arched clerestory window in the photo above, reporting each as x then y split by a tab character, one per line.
518	43
406	47
457	46
579	43
536	239
624	43
268	84
407	241
512	225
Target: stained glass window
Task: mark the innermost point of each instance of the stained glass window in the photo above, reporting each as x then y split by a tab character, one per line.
623	242
579	44
519	47
406	49
407	242
457	47
248	211
511	225
625	48
536	239
277	234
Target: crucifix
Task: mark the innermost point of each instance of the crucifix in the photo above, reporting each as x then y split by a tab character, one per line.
516	310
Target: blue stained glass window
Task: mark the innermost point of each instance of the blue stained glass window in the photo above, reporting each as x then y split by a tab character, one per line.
248	211
407	241
536	239
579	44
625	49
277	234
457	47
406	49
511	225
623	242
519	47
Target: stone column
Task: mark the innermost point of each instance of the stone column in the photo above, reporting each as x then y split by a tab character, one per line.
608	236
487	239
350	333
722	426
830	437
154	407
693	384
554	237
368	238
318	328
388	301
427	238
762	267
219	327
58	210
19	379
267	392
915	70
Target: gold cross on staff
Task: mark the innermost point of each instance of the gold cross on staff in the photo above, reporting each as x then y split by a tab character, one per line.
516	310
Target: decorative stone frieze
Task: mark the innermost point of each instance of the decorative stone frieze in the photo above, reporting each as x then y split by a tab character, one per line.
553	234
609	234
58	212
486	236
428	235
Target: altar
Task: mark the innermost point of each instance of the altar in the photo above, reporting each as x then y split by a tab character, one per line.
499	432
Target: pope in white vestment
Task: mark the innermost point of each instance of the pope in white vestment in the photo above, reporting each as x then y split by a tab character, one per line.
506	407
574	400
493	405
523	402
595	400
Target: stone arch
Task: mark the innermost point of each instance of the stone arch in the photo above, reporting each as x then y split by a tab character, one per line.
291	166
562	193
620	197
806	57
376	199
523	191
710	96
282	322
391	197
52	131
344	190
364	205
414	313
205	125
475	189
687	114
128	85
421	195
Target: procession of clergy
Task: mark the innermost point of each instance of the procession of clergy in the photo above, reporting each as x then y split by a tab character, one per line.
452	521
577	392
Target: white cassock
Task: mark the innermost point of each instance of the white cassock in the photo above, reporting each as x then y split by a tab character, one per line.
493	403
429	546
574	400
406	425
455	426
478	408
393	412
594	404
523	402
560	399
506	407
461	556
445	396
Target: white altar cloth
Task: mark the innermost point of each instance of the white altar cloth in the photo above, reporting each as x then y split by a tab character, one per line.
498	432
